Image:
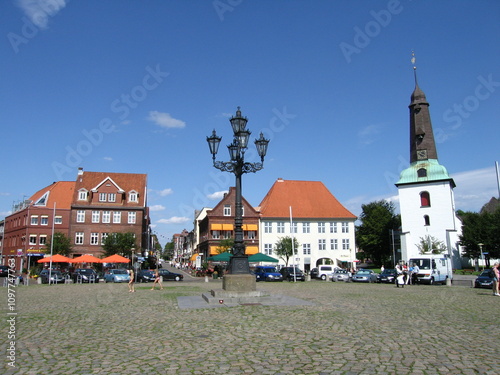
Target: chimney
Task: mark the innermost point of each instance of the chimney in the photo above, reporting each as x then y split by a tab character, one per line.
80	171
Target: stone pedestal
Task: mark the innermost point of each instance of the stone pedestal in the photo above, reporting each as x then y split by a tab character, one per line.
239	283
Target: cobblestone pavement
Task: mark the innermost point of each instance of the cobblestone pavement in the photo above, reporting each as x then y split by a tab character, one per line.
350	329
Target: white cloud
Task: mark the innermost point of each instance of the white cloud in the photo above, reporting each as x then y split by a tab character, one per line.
369	134
165	120
156	207
108	158
166	192
39	11
217	195
174	220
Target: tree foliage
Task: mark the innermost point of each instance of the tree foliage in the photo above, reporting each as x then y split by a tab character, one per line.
119	243
62	244
225	245
283	248
480	228
373	234
431	245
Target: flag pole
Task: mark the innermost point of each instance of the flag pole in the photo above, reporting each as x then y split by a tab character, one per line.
293	246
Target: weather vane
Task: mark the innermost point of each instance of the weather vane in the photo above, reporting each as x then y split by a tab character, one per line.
413	60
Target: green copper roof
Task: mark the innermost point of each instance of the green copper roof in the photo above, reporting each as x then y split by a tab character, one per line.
434	172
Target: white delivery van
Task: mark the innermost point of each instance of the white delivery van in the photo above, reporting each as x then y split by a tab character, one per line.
432	268
325	271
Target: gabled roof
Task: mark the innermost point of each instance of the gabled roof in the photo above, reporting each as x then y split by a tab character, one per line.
60	193
111	180
126	181
308	199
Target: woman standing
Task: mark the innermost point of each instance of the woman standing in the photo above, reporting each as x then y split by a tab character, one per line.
157	280
496	277
131	287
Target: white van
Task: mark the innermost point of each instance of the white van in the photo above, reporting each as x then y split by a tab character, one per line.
432	268
325	271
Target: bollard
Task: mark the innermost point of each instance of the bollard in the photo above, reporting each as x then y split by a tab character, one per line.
206	279
448	281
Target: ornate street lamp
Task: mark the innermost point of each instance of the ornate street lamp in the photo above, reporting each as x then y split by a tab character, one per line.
239	261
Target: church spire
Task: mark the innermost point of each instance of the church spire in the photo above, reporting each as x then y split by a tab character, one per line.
422	144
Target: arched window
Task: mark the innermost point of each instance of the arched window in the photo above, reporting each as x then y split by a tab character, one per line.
422	172
425	199
427	221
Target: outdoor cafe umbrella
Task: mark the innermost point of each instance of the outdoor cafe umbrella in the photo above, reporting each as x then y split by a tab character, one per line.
259	257
115	258
57	258
86	259
222	257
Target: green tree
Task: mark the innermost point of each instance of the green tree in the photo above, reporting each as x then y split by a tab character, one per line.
168	251
119	243
480	228
283	248
225	245
62	244
430	244
372	236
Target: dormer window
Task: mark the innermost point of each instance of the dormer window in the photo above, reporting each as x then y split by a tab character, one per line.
227	210
422	172
133	196
42	201
102	197
82	195
111	197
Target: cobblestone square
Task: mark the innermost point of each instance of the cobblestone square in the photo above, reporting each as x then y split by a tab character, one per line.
350	329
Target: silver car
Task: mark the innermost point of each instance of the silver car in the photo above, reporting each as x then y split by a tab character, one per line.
364	276
117	276
341	275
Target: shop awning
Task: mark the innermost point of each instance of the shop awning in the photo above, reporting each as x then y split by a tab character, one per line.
227	226
250	250
193	257
250	227
213	250
216	227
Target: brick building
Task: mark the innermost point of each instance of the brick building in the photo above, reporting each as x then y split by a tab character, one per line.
105	203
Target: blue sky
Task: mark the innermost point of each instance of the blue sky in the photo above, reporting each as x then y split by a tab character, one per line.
136	86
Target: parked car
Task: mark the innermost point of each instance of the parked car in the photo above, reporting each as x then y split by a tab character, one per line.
292	273
85	275
4	271
145	276
167	275
387	276
484	280
341	275
364	276
314	273
267	273
325	271
56	276
117	275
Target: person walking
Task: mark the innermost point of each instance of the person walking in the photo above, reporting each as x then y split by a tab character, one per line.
131	287
496	278
157	280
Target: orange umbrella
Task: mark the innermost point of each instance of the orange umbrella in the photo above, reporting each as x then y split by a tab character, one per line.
115	259
57	258
86	259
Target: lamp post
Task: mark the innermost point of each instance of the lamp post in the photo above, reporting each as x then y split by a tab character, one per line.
239	261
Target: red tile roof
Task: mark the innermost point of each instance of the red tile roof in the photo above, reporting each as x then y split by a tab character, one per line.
126	181
308	199
60	193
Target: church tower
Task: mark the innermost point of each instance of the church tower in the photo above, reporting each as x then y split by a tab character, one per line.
425	189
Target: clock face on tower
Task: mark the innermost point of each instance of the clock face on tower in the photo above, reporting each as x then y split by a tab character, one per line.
421	154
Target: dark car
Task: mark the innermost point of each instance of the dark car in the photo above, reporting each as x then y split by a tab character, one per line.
4	271
314	273
145	276
387	276
56	276
292	273
267	273
167	275
484	280
85	275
